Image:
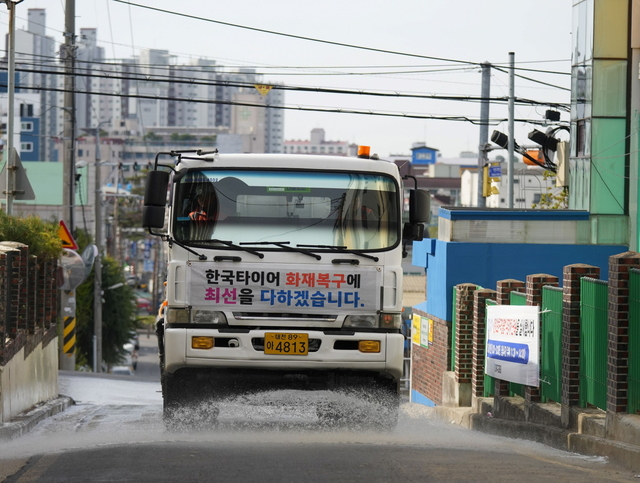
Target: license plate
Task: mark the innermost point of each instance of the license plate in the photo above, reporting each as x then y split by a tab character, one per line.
286	344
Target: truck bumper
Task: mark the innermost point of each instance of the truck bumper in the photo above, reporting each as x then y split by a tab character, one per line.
243	350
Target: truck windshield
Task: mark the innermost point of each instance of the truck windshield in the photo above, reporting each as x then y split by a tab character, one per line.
355	211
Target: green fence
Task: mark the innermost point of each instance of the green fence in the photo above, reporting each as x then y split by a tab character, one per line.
489	382
517	298
551	344
593	342
634	342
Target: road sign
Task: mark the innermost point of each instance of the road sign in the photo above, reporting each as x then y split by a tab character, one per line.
65	235
495	171
23	189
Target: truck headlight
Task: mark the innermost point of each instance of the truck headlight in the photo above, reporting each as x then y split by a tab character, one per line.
364	321
177	316
382	321
202	316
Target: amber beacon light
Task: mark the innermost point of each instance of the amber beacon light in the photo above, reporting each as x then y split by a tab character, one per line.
363	151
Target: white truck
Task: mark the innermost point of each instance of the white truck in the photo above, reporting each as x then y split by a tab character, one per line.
283	271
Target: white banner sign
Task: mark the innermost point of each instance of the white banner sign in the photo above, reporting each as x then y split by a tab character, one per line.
256	287
513	343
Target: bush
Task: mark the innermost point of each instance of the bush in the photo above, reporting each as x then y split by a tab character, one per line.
41	236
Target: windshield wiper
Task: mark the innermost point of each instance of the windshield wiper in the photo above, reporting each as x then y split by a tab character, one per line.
173	240
285	246
231	245
342	249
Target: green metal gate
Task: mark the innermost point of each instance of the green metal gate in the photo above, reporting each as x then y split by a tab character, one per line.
489	381
551	344
593	342
517	298
633	405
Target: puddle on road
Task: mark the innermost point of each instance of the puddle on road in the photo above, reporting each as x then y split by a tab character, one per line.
272	417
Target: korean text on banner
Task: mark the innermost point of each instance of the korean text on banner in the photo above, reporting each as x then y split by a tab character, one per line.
321	290
513	343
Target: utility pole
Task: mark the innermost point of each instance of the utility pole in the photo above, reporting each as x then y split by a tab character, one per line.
97	267
11	164
483	158
68	54
511	145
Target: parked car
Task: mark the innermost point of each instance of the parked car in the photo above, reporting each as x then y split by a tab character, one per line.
122	371
144	305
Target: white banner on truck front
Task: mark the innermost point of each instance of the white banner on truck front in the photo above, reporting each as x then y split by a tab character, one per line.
255	287
513	343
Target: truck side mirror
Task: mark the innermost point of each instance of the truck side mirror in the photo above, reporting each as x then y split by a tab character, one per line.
419	206
155	199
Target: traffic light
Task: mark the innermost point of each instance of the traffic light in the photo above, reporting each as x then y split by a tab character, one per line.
488	188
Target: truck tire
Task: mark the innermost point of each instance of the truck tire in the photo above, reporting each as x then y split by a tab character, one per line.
184	405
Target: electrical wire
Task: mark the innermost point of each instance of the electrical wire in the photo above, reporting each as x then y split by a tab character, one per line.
299	37
251	85
335	110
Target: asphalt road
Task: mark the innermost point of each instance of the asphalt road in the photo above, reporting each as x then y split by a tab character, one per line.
115	433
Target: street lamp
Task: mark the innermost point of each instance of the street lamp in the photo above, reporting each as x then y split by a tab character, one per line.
11	166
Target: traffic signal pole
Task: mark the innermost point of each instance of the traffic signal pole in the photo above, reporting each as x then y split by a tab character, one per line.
483	157
511	145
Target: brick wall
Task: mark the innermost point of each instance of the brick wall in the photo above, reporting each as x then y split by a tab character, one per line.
28	300
428	364
618	334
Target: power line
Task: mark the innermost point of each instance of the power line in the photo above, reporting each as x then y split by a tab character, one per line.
299	37
336	110
190	81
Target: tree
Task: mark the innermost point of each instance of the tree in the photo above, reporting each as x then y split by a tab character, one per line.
151	136
118	314
554	198
177	137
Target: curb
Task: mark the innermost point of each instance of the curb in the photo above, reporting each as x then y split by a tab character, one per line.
28	420
627	455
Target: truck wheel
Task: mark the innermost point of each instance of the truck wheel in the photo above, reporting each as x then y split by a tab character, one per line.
184	404
172	399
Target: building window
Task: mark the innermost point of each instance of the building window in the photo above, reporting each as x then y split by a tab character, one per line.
26	147
26	110
26	126
580	138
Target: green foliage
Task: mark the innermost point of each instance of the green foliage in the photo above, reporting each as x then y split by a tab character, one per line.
41	236
182	137
118	314
554	198
151	136
212	138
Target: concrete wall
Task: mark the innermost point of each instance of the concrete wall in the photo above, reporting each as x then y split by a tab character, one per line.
26	381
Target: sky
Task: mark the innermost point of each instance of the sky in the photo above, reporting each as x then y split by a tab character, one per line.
398	47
